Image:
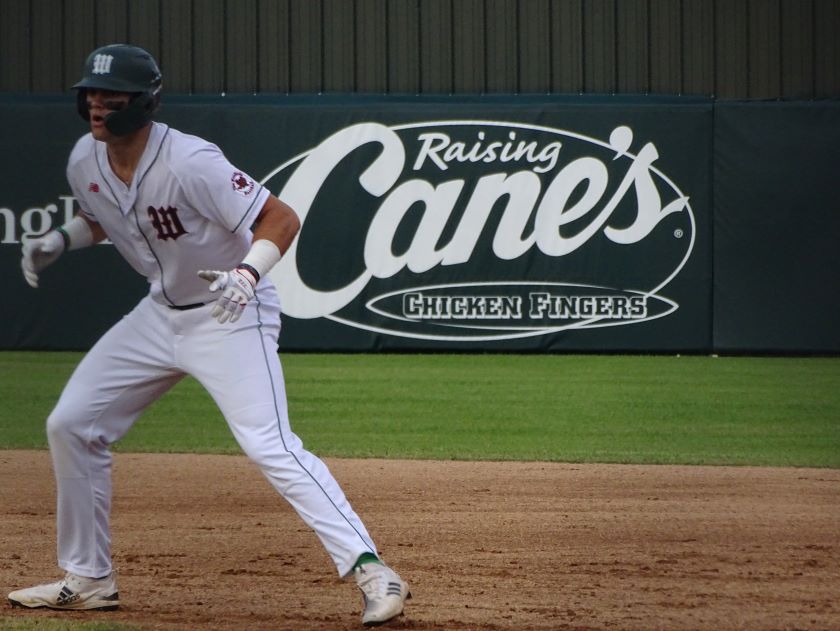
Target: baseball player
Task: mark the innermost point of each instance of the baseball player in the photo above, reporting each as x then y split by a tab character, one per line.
205	235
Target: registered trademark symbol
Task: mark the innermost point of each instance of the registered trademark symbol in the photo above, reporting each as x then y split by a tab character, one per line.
678	233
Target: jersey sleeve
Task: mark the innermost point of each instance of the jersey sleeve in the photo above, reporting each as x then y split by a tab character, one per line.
78	195
74	174
219	191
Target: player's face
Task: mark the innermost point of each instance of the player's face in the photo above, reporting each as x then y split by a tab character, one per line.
100	104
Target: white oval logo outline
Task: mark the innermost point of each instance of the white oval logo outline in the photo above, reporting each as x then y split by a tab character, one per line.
652	293
521	331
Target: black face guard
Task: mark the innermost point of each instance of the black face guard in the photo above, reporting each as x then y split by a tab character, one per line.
133	116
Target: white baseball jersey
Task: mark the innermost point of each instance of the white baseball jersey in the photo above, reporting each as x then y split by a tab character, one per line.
187	209
179	214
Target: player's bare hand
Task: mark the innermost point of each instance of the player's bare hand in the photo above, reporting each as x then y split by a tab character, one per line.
237	287
39	253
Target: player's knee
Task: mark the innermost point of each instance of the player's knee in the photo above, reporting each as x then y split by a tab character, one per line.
62	427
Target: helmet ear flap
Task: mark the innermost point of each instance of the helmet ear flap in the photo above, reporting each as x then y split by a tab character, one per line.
135	115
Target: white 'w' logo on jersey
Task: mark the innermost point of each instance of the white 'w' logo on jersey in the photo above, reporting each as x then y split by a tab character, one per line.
102	64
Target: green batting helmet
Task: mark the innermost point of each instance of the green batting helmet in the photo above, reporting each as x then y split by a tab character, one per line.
122	68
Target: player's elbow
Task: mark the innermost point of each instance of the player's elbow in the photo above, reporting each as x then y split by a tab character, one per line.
293	222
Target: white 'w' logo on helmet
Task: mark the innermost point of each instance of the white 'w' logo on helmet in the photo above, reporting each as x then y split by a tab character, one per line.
102	64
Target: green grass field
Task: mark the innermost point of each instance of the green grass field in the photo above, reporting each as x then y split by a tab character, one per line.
631	409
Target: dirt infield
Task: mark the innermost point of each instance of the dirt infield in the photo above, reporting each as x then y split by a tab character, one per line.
202	542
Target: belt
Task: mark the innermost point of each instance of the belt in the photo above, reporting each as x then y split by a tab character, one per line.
195	305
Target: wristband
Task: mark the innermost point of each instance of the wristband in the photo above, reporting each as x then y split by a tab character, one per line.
247	268
262	256
76	234
65	237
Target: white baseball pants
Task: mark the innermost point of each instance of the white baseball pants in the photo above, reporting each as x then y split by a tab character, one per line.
137	361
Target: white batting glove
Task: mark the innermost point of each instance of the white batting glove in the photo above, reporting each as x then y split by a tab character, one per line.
237	287
39	253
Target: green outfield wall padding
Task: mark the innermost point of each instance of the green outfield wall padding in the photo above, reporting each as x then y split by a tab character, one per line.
777	227
499	223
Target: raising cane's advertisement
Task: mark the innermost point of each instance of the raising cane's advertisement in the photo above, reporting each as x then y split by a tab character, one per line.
473	225
499	233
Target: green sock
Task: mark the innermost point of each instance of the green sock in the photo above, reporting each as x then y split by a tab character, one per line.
367	557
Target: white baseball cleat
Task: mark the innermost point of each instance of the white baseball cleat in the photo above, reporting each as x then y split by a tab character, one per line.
72	592
384	592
